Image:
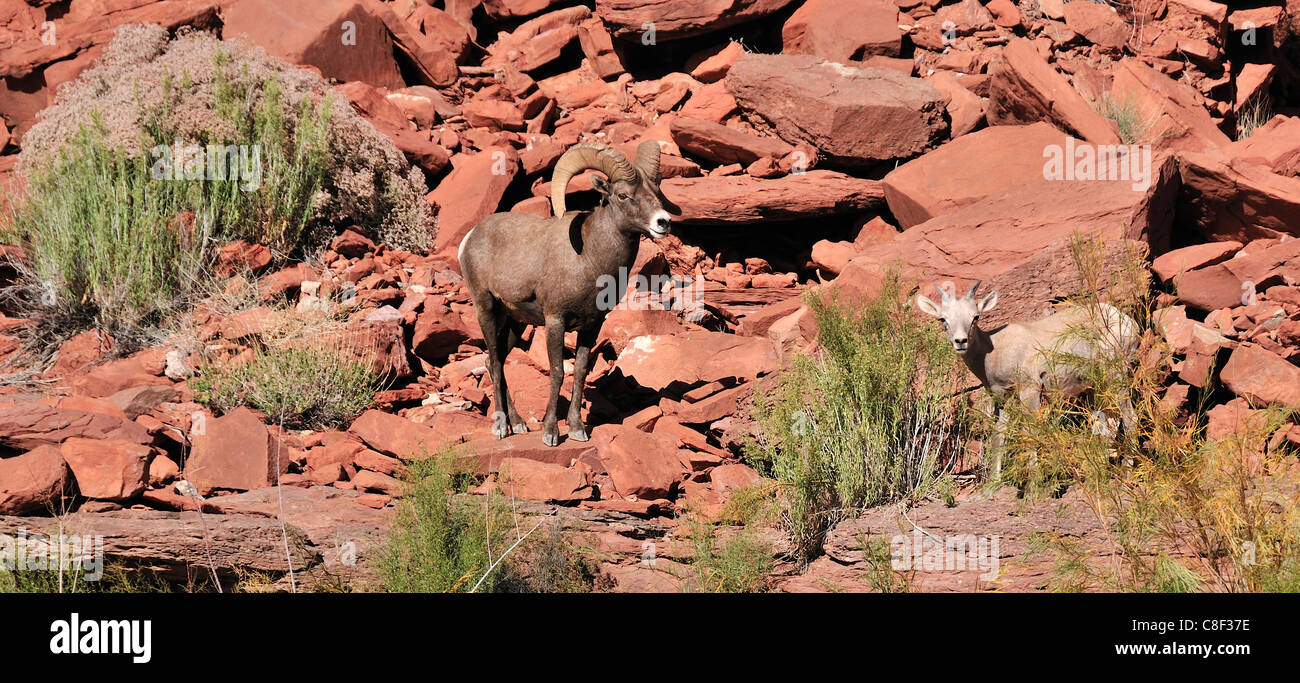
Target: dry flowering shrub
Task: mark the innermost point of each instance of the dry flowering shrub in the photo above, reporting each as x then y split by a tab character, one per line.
149	88
169	147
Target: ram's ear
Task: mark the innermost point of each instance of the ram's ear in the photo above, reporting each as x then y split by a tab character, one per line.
989	302
600	183
927	305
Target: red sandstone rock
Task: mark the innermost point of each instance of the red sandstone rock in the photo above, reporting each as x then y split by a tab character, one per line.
852	116
107	469
35	480
235	451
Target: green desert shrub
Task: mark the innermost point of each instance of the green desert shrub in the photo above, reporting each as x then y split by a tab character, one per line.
740	562
1184	508
302	388
445	542
1135	125
304	369
169	147
871	418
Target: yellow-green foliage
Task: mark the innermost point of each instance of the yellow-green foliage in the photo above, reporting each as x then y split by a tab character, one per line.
871	418
1166	491
445	542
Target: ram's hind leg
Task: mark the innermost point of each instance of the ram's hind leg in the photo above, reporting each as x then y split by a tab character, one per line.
581	365
513	334
496	328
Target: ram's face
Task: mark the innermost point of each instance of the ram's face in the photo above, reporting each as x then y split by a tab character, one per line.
638	206
958	314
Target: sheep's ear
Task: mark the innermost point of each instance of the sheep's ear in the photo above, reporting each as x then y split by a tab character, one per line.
927	305
600	183
989	302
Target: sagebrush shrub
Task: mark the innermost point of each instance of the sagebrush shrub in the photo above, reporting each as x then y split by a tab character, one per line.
872	417
302	388
150	90
444	542
128	187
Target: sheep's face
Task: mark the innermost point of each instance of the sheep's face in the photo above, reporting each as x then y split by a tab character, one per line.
958	315
638	206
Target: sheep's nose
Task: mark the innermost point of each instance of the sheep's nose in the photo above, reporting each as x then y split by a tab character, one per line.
663	224
959	342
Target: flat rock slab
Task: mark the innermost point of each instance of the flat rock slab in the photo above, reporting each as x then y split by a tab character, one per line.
851	116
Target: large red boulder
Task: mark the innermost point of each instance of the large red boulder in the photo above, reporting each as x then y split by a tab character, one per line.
1024	88
746	199
969	169
235	451
486	454
108	469
396	436
117	375
843	30
624	324
35	480
1173	263
1275	144
852	116
345	39
1173	113
471	192
1256	267
1100	24
965	108
1019	241
1227	199
536	42
1261	376
27	426
698	357
638	463
439	331
722	144
536	480
673	19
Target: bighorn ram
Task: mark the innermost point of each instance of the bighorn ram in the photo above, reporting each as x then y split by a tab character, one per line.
525	270
1033	356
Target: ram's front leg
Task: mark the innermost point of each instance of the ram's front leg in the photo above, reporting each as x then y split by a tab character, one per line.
996	440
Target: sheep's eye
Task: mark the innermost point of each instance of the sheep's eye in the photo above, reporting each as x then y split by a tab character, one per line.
624	196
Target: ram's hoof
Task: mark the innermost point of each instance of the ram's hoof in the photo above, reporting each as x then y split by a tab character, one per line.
500	432
551	439
520	428
578	434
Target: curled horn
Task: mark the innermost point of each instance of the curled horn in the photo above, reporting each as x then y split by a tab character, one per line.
647	160
971	294
583	156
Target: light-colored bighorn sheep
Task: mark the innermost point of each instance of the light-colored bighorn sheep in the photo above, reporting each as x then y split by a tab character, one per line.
1026	358
525	270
